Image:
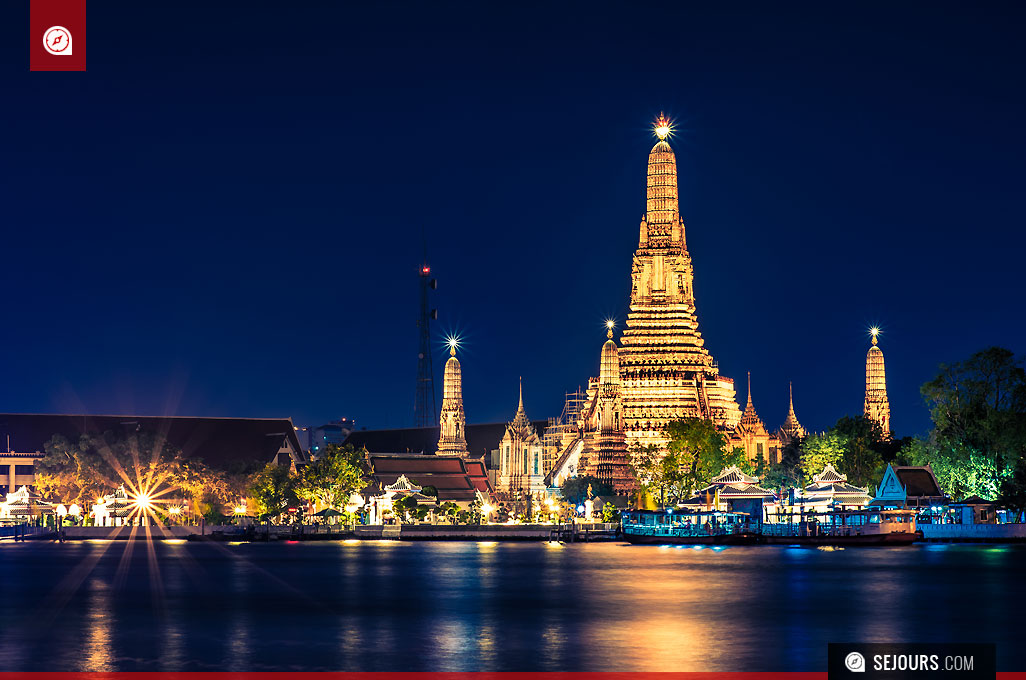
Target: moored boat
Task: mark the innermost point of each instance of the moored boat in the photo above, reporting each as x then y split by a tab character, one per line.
845	528
682	526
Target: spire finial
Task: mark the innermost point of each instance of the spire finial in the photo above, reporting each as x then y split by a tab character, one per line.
609	328
749	388
453	341
790	396
521	392
663	127
874	331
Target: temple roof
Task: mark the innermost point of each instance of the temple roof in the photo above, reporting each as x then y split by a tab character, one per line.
829	475
734	475
481	439
791	427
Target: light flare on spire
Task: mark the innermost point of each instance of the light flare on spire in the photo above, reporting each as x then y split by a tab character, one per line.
663	127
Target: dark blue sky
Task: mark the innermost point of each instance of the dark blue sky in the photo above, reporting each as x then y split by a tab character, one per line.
224	215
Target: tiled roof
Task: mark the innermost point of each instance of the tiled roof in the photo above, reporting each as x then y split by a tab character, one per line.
732	475
219	442
481	439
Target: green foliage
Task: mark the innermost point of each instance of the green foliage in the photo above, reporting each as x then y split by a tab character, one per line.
696	452
337	473
406	508
785	473
450	511
863	441
820	450
273	490
610	513
575	489
960	472
978	407
1013	488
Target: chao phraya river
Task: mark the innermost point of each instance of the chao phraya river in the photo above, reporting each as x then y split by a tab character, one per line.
467	606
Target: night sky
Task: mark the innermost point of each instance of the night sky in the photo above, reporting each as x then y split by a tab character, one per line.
225	215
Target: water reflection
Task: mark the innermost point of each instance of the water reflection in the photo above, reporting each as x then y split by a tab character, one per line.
460	606
98	656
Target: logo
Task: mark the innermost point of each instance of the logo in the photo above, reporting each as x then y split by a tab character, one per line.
57	41
855	662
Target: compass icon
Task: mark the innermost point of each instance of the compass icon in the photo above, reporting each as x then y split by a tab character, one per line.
57	40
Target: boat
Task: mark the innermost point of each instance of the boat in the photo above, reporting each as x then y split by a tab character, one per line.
684	526
863	527
840	528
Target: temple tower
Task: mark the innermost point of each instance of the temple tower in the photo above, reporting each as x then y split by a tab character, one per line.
752	436
453	440
666	371
791	429
877	406
604	451
520	456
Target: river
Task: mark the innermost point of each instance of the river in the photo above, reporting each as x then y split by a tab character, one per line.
469	606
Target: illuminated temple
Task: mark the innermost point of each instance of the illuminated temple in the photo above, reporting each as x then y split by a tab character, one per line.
877	406
666	371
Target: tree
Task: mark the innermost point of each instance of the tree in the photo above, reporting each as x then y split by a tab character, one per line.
1013	488
449	510
696	453
336	474
274	490
786	472
610	513
146	464
820	450
575	489
978	407
406	508
863	442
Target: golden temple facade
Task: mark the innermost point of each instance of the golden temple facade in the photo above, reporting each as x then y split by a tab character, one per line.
666	372
877	407
452	439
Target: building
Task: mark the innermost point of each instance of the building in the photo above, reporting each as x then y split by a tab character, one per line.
455	479
791	429
734	491
877	406
909	486
221	443
24	504
520	456
752	436
453	420
314	439
830	489
666	371
603	453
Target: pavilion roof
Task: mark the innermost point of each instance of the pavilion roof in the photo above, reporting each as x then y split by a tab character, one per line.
734	475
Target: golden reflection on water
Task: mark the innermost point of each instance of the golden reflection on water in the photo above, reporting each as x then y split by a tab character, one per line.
239	650
98	625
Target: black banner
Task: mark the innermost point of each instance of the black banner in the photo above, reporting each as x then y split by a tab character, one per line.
945	661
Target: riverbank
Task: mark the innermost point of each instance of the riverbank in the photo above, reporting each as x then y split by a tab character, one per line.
399	532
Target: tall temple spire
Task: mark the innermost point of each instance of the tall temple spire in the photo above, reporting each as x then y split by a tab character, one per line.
452	439
791	428
750	419
604	451
666	371
877	406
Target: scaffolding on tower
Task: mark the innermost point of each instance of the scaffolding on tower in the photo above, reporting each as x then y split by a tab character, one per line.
560	431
